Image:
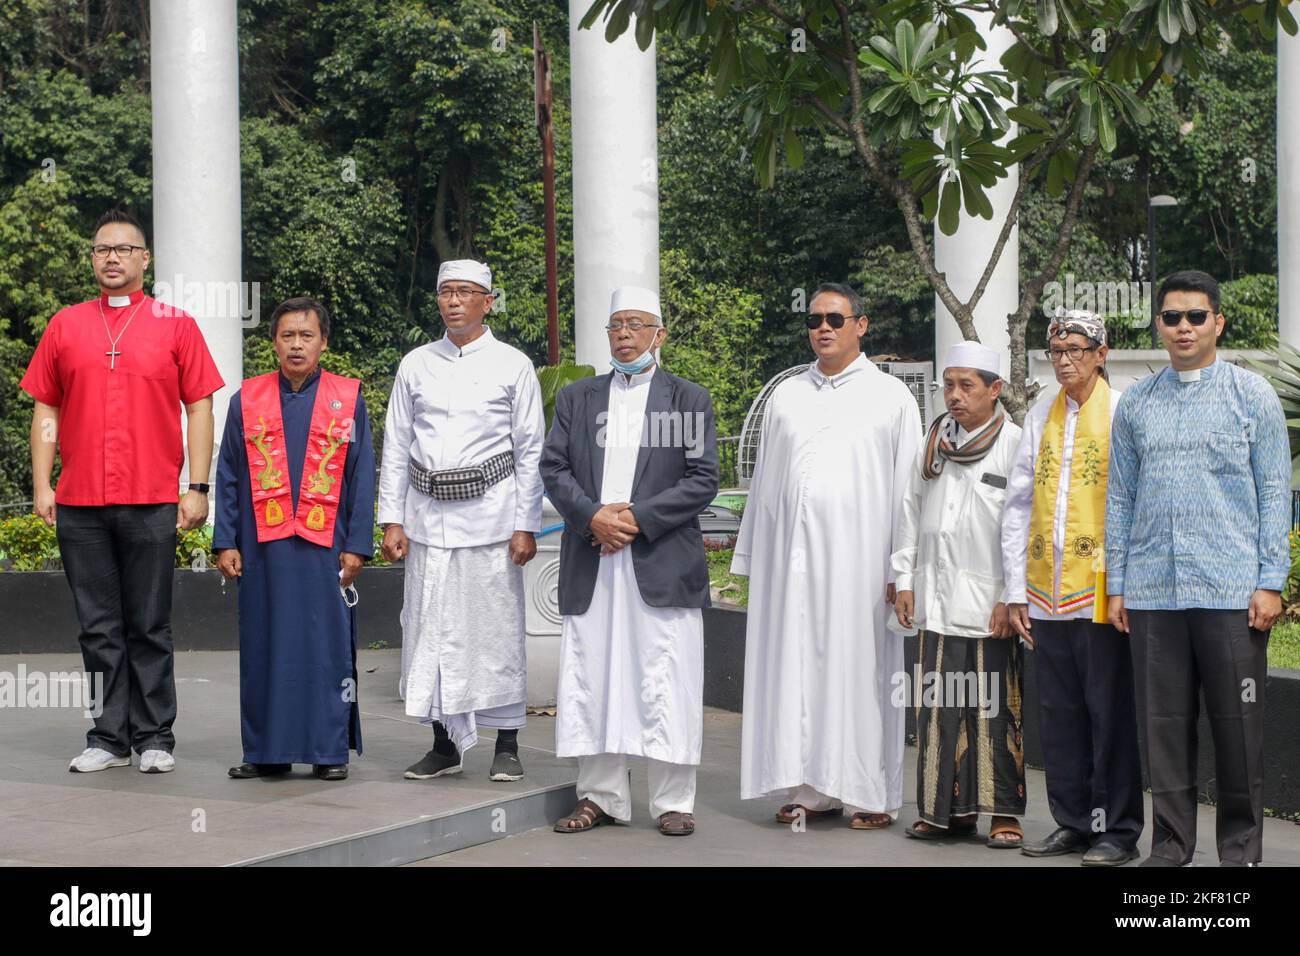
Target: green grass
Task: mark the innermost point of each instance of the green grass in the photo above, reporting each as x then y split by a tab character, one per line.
1284	646
720	576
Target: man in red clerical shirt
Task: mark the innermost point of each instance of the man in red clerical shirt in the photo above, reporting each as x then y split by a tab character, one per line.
109	377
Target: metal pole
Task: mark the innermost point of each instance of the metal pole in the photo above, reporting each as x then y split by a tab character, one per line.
1151	255
542	82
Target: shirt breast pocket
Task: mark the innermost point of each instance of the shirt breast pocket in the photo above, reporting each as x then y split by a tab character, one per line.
149	361
1229	453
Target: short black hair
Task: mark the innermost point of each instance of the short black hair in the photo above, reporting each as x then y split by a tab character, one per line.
117	214
1190	280
302	303
988	378
841	288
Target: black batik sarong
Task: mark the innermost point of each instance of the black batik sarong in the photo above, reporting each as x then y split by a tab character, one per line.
969	729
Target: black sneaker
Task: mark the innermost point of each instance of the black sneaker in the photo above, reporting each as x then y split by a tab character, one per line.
434	764
506	767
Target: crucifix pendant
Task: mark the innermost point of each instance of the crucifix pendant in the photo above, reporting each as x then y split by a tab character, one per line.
112	358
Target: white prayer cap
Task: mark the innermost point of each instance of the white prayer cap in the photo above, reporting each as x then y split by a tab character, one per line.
466	270
635	297
976	356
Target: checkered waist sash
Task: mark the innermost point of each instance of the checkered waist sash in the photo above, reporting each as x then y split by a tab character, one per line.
461	484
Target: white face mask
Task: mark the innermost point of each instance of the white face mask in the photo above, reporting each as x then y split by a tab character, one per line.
350	595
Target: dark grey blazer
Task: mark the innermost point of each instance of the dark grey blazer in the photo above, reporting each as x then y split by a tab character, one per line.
669	491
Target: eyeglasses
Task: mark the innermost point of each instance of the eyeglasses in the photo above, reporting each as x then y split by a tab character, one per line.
836	321
123	251
446	295
632	325
1075	353
1174	317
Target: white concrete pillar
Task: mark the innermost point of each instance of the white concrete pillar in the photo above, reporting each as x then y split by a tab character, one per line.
1288	187
963	255
196	222
615	176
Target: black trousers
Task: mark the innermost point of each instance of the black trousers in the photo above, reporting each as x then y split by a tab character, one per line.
1088	727
119	560
1181	653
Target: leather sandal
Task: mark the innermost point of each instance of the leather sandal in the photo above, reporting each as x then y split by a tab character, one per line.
676	823
924	830
1005	834
793	811
870	821
587	815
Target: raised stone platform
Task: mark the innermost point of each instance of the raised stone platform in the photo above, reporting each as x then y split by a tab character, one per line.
197	815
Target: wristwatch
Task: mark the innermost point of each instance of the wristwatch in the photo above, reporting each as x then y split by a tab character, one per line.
199	487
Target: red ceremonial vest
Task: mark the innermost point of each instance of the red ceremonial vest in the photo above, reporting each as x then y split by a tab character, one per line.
322	470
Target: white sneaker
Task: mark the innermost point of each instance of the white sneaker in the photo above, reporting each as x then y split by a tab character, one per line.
95	758
157	761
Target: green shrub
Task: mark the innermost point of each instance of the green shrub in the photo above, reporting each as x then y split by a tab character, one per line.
27	543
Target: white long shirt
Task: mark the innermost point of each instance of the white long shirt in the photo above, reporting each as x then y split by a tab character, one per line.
949	542
815	540
1020	500
453	407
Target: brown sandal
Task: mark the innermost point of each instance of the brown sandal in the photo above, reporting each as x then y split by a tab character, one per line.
1005	835
676	823
793	811
870	821
586	814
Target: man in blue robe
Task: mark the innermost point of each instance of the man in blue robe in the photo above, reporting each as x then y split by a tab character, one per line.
297	630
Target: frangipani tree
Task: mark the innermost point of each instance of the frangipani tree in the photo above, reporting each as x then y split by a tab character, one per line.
930	120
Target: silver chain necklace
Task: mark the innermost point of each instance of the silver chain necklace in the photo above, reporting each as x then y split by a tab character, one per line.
112	352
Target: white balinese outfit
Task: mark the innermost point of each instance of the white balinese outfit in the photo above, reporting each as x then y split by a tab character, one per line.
815	540
1020	500
631	676
463	660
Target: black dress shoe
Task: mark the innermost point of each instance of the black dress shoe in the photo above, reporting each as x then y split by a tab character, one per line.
1062	841
331	771
246	770
1108	854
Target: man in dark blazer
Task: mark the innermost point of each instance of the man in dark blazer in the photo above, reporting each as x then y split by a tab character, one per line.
630	462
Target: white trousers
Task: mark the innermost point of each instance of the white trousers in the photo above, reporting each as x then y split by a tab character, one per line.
602	779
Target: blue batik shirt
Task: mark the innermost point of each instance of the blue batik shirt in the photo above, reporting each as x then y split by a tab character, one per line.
1198	501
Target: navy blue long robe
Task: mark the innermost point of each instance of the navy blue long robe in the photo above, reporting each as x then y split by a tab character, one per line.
297	638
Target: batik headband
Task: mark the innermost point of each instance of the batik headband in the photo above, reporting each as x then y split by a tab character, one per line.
1088	324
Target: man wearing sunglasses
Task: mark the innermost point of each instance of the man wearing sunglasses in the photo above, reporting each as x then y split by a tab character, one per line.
1053	533
838	445
1197	519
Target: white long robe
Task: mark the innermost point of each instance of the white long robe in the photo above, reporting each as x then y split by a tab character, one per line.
815	540
631	676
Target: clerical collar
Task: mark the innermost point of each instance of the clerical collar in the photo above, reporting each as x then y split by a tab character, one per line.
1197	374
460	351
287	386
821	379
120	301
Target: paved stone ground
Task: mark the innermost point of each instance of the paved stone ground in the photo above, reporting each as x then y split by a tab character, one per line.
735	832
121	817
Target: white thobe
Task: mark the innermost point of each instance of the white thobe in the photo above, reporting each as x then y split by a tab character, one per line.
1020	500
949	548
815	540
631	677
463	606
